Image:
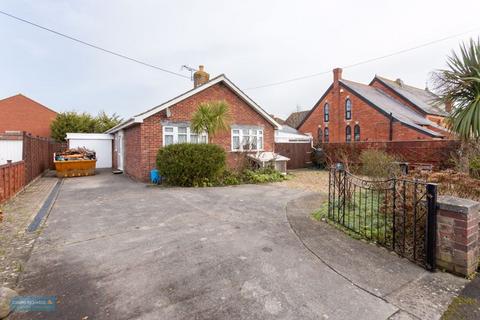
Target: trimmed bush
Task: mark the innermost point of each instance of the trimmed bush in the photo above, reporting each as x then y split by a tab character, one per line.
191	165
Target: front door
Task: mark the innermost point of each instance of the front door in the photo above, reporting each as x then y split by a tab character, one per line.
120	150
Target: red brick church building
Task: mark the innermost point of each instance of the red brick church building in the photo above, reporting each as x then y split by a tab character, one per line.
383	110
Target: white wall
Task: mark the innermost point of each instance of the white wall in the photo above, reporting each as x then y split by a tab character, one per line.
100	143
11	150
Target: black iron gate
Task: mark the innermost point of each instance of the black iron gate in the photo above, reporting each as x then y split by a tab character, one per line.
398	214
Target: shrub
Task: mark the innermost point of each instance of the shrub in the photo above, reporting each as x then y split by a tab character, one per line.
475	167
378	164
262	176
191	164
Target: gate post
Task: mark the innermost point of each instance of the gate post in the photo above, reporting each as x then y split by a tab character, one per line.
431	227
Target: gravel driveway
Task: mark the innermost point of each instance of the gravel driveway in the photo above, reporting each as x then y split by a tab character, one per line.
113	248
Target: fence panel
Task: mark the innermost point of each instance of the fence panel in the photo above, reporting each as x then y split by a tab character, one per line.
12	179
299	154
396	213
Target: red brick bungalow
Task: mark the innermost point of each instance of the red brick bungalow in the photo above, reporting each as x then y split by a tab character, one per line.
384	110
20	113
138	139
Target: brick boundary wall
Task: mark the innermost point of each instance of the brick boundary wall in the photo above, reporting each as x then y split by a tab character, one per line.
457	235
12	179
436	152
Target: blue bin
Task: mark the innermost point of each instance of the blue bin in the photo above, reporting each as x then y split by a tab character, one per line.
155	176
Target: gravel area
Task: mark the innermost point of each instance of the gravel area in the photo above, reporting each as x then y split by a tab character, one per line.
308	179
15	242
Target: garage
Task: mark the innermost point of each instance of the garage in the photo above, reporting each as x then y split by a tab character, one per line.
101	143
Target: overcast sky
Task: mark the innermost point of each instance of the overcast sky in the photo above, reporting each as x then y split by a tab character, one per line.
252	42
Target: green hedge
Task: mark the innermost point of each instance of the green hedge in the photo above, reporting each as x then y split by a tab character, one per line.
191	165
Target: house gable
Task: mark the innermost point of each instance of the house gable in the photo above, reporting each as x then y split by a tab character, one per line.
20	113
169	104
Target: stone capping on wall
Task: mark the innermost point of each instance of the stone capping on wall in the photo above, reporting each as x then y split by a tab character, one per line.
451	203
457	235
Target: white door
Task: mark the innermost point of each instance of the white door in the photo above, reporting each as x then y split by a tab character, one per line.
120	150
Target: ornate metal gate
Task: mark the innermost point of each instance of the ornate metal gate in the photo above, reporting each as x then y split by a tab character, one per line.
398	214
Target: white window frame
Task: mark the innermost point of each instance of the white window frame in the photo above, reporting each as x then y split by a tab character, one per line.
259	135
189	133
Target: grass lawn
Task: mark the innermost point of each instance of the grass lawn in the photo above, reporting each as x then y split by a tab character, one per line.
364	217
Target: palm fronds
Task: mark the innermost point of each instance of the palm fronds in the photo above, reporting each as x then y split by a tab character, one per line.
460	85
211	117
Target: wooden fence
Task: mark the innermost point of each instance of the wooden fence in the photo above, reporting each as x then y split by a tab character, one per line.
38	155
12	179
299	154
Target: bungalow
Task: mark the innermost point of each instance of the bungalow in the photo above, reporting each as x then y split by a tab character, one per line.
138	139
384	110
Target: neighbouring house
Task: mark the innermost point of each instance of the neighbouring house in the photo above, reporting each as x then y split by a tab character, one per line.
138	139
20	113
384	110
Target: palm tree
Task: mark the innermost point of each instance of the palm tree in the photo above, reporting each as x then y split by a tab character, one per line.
211	117
460	86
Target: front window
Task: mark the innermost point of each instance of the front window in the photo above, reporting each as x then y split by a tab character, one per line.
348	109
181	134
356	132
247	139
348	133
326	112
326	135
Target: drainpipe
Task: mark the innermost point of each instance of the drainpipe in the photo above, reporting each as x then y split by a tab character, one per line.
390	137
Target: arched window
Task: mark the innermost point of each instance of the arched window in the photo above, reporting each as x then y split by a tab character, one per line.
348	109
326	135
348	133
320	135
356	132
326	112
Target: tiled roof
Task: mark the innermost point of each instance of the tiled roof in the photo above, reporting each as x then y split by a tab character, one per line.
296	118
391	106
423	99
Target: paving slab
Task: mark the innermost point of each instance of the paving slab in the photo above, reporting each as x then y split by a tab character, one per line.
113	248
15	242
417	292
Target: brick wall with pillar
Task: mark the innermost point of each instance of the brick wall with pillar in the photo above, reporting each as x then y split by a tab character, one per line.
457	235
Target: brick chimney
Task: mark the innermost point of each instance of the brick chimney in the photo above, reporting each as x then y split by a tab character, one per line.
200	77
337	75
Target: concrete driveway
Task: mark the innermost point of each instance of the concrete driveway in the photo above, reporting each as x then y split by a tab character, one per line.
116	249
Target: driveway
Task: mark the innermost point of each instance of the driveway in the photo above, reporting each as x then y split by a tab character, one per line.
116	249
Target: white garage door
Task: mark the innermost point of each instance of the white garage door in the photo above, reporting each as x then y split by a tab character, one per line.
98	142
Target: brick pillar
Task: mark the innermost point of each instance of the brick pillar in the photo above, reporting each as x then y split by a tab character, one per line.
457	235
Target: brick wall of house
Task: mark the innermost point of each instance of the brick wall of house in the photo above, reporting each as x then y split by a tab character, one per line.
151	138
133	153
374	125
19	113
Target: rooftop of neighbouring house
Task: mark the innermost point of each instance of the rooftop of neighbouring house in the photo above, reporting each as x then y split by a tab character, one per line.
296	118
422	98
391	106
